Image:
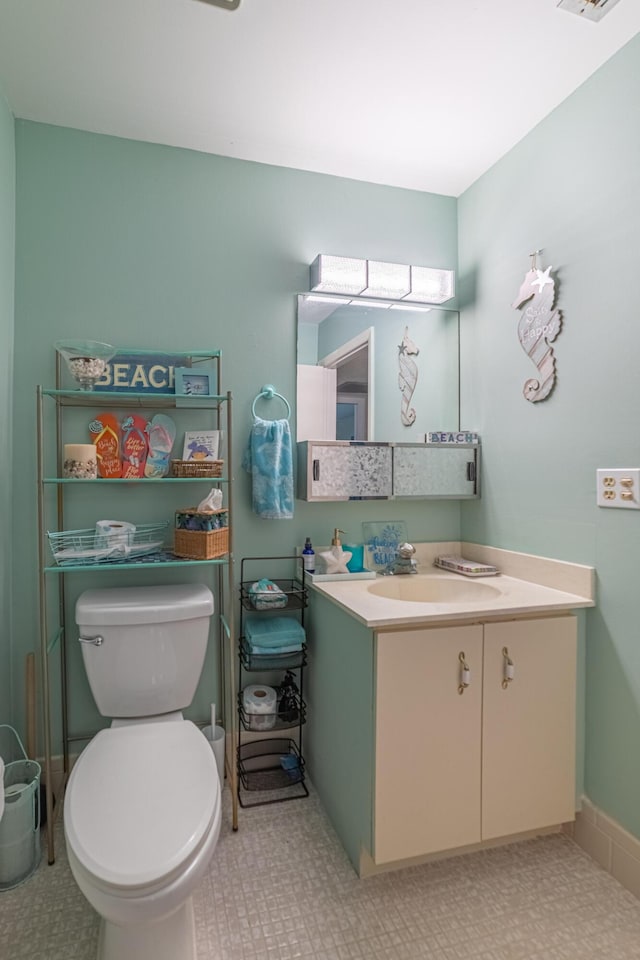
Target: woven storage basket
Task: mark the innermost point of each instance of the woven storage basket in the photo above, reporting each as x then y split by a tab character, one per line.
197	468
201	544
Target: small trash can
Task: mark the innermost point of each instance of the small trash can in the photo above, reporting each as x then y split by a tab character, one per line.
20	822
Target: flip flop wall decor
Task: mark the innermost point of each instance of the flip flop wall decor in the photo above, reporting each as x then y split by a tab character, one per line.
135	447
162	433
105	434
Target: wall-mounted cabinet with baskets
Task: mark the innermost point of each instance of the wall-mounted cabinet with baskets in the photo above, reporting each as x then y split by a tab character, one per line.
157	510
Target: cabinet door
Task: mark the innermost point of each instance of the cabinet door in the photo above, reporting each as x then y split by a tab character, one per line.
346	471
428	740
528	741
436	470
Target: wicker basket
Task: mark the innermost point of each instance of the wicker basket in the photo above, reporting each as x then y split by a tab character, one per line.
201	544
197	468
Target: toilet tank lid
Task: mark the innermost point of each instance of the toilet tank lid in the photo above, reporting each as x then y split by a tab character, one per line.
120	606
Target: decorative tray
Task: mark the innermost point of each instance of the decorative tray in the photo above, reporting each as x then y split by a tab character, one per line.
468	568
324	577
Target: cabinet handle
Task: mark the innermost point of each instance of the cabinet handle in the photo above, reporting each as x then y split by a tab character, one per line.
465	673
96	641
316	470
508	667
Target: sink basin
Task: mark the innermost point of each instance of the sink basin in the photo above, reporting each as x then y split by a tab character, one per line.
425	589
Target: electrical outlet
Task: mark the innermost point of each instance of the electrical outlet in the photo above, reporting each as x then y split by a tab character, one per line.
618	488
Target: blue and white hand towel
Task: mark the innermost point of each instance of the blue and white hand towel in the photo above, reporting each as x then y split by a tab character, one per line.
268	459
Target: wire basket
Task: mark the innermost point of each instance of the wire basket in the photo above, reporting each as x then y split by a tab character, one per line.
197	468
72	548
272	764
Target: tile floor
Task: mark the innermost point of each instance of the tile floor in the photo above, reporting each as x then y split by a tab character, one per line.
283	888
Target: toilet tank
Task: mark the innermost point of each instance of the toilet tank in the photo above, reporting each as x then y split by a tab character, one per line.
154	641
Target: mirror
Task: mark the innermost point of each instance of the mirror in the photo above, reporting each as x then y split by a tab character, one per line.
379	372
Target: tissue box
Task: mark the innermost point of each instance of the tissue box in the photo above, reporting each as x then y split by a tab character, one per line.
201	536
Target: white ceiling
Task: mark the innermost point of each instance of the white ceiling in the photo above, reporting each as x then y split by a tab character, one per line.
425	94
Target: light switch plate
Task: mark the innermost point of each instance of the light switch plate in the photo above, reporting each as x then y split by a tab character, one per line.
618	487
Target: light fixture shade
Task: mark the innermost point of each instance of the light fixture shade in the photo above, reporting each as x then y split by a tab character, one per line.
430	285
391	281
352	277
338	274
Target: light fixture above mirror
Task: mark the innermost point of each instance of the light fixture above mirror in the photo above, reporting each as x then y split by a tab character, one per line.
375	278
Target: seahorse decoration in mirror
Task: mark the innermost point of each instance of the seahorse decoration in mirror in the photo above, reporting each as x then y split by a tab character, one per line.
538	327
407	377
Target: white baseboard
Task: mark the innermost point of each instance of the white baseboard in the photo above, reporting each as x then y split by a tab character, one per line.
609	844
369	868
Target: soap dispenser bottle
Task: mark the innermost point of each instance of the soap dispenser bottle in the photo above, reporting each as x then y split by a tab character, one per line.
337	558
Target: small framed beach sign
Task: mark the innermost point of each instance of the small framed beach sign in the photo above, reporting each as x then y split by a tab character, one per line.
201	445
194	383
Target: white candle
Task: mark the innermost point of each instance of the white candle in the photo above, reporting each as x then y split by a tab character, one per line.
80	461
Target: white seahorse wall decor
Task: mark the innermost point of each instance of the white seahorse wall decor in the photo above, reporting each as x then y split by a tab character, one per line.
407	377
539	325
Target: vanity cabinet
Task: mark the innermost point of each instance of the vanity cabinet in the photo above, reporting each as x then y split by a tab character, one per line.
458	764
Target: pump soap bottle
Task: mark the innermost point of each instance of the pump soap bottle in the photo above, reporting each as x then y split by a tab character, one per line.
336	559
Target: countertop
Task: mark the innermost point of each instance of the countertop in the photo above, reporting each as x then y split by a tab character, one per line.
510	597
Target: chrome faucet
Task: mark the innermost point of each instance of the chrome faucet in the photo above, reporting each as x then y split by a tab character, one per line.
403	563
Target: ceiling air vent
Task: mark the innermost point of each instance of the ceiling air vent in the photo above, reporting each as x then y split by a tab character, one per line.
589	9
234	4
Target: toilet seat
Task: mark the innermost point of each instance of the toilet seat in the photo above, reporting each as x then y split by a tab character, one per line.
140	801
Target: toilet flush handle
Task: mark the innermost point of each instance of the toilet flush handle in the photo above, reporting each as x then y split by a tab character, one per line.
96	641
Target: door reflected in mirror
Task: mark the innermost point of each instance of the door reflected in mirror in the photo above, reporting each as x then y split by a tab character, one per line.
378	372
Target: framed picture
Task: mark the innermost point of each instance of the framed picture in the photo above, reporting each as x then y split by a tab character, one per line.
201	445
190	382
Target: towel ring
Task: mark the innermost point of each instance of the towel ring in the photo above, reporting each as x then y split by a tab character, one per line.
269	392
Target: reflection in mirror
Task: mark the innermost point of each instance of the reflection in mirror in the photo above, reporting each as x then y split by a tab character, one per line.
376	371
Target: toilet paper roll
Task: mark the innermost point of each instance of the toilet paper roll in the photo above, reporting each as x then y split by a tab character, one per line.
111	533
260	702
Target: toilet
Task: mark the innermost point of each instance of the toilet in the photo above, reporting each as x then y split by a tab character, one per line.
142	807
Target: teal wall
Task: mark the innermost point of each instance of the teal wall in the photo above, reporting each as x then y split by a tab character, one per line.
7	257
151	246
572	188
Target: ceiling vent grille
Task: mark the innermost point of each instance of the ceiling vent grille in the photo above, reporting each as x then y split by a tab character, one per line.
234	4
589	9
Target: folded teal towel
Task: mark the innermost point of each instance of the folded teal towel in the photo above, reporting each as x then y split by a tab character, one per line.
273	651
277	640
269	460
273	631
